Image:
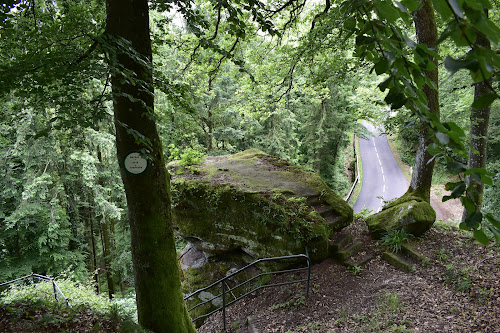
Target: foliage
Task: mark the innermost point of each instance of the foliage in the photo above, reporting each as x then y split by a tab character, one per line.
394	238
363	214
190	157
381	39
87	308
79	295
458	278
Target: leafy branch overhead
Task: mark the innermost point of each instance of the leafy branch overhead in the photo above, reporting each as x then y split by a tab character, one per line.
381	31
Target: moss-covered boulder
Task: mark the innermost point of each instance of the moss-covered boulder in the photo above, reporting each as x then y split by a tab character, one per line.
238	208
410	213
255	203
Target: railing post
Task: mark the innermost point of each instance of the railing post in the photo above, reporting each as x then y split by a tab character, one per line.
224	304
55	290
308	273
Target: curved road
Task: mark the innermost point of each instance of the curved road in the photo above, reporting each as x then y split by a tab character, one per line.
383	179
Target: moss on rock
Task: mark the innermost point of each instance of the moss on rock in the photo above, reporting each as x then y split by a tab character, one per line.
243	207
415	215
256	203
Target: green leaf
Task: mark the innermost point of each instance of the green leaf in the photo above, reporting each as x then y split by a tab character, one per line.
474	219
487	180
434	149
493	224
387	11
489	29
468	204
350	23
484	101
457	192
412	5
456	8
474	4
456	167
452	26
382	66
395	99
453	65
385	84
442	8
401	6
443	138
481	237
452	126
362	40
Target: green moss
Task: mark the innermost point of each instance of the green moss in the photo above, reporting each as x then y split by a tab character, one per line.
414	216
258	203
249	153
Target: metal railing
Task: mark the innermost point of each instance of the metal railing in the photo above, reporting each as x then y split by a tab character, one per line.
226	289
356	171
33	276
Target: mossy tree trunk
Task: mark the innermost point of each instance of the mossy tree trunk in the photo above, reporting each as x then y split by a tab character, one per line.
160	303
425	27
479	119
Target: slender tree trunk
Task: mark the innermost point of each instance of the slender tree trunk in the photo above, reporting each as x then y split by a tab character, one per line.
93	253
425	26
478	134
210	124
160	303
106	253
105	241
321	135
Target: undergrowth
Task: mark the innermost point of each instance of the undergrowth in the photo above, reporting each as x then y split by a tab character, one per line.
34	305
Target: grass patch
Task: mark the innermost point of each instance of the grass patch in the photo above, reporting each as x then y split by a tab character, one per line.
394	238
459	279
384	318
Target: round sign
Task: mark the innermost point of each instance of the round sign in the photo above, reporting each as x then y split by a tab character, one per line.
135	163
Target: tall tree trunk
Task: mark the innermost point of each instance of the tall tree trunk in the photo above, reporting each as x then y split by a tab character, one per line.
106	253
105	240
478	134
210	123
425	26
160	303
93	253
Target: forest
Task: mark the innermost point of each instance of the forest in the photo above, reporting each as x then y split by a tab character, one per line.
84	83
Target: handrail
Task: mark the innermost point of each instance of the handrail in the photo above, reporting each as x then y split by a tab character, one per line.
55	287
226	290
356	180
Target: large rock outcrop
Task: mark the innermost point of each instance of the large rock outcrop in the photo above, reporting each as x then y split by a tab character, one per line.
258	204
238	208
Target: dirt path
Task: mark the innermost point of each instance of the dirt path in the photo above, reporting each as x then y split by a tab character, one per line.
456	290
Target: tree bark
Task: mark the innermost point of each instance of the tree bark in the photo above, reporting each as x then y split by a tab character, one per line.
478	135
106	253
160	303
210	123
93	254
426	29
105	240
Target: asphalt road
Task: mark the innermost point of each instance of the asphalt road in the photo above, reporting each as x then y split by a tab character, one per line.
383	179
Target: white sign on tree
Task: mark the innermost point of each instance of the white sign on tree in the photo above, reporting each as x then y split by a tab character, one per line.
135	163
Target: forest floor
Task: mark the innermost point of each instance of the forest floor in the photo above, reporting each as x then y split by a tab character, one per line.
455	289
38	318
